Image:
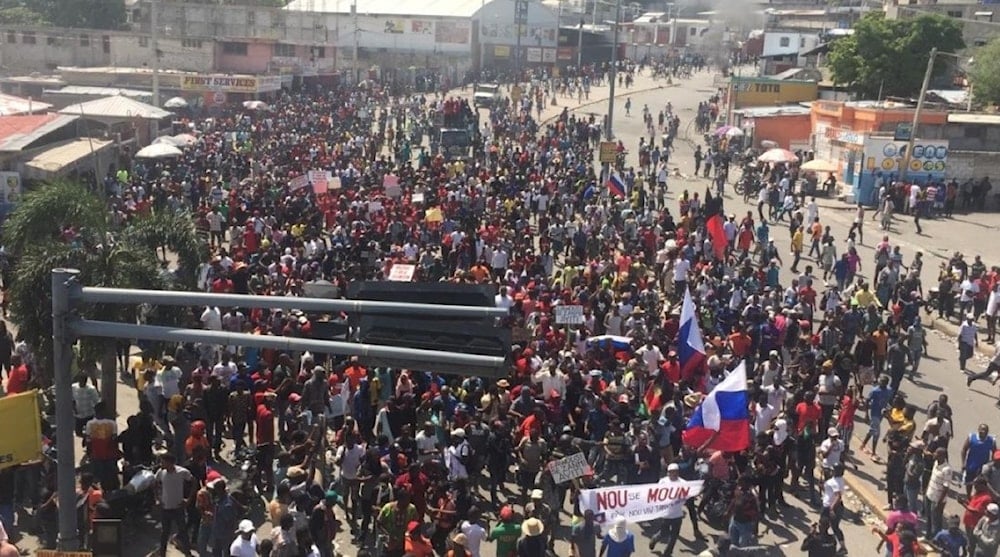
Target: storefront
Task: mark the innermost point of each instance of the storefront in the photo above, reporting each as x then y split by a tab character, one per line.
844	147
883	157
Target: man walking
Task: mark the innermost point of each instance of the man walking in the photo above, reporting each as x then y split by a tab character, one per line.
174	484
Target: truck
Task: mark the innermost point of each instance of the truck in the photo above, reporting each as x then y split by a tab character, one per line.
485	94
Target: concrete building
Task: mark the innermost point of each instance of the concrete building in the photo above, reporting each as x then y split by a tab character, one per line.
790	127
980	22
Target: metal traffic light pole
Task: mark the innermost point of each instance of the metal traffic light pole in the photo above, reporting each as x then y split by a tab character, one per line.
66	327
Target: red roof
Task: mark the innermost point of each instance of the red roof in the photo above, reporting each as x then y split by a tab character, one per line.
14	125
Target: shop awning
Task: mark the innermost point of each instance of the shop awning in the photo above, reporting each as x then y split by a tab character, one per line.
55	159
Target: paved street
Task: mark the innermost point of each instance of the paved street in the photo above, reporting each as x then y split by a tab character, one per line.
939	372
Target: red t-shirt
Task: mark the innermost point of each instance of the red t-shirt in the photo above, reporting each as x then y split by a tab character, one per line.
17	381
807	413
265	425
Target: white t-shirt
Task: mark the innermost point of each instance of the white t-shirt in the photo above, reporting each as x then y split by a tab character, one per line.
350	460
211	318
651	357
681	267
831	449
243	547
831	488
426	446
475	534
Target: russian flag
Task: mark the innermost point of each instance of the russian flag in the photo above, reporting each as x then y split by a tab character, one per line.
722	421
615	185
690	347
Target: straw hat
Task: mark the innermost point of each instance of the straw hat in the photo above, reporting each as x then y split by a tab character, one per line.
532	527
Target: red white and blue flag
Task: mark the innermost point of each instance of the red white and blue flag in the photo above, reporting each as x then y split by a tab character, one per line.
690	346
615	185
722	420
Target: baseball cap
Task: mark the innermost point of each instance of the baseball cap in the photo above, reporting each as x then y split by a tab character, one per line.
673	467
832	432
245	527
993	508
506	513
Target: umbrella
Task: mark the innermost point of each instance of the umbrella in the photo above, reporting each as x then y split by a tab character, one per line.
176	102
255	105
165	140
184	140
778	155
723	130
768	144
820	165
158	151
734	132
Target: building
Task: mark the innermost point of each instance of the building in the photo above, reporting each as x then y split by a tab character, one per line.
784	49
865	138
980	22
789	127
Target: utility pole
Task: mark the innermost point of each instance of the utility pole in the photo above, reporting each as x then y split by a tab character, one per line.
521	23
614	71
905	164
154	24
62	355
354	52
579	47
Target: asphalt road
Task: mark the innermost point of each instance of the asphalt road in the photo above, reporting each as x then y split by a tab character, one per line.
939	372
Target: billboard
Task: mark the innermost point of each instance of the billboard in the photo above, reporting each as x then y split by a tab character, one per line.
884	155
756	91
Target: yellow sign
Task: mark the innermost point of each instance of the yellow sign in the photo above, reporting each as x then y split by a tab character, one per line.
55	553
747	91
515	93
22	440
608	152
500	51
231	83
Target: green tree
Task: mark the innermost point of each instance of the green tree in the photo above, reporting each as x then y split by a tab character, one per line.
125	257
984	75
890	55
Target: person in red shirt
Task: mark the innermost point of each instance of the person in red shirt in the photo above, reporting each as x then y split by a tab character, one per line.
808	413
265	437
415	483
19	377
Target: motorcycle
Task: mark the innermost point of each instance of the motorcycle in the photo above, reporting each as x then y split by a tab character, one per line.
133	502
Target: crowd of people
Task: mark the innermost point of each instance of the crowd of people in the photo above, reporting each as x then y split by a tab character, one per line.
414	462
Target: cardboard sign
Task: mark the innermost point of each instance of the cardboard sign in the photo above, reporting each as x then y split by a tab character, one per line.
335	183
571	467
402	272
298	183
374	206
608	152
417	198
569	315
391	184
319	180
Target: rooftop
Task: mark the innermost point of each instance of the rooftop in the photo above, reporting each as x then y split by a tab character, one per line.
973	118
116	108
766	111
10	105
18	132
428	8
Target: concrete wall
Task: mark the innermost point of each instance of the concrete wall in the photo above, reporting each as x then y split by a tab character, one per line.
182	19
41	49
257	58
973	164
135	51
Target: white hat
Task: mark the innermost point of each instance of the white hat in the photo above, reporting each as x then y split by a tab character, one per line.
618	531
246	527
537	494
458	432
832	432
532	527
993	508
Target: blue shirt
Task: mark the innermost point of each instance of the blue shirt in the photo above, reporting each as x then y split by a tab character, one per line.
624	548
951	542
878	399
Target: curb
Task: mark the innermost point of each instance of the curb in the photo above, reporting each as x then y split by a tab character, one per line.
550	119
947	327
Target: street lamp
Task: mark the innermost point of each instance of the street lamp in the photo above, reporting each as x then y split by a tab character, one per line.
905	164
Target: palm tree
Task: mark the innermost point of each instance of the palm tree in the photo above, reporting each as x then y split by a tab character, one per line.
62	224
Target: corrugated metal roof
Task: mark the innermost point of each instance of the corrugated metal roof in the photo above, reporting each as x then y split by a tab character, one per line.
764	111
115	107
18	132
10	105
99	91
59	156
967	118
427	8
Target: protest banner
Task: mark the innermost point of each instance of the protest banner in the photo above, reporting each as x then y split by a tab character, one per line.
298	183
568	468
402	272
320	180
391	184
638	503
569	315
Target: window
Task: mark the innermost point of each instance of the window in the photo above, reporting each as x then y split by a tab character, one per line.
234	49
284	50
143	42
84	40
979	42
251	17
802	42
955	13
106	44
11	37
785	41
52	41
191	43
319	52
28	38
